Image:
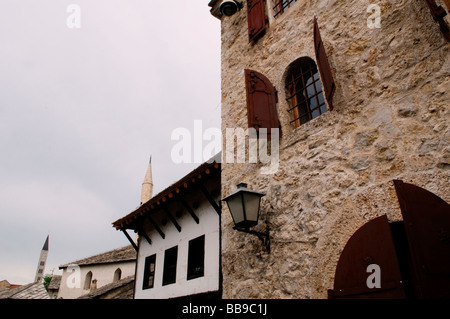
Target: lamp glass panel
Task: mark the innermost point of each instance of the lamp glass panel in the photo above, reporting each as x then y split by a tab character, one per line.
236	208
252	206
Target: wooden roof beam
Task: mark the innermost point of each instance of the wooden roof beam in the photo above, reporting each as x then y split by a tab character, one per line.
142	233
124	231
163	236
210	199
189	209
174	222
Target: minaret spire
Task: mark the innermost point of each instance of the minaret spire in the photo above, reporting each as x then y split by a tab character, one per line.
42	261
147	184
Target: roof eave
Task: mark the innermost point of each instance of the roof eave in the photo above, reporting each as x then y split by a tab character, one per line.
208	168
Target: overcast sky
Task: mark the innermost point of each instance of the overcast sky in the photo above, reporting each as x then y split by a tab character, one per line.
81	111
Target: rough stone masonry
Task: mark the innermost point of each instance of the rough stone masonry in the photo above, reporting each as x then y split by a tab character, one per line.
390	121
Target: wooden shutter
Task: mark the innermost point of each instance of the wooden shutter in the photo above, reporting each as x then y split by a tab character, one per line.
427	223
261	102
256	17
371	244
438	13
447	2
324	66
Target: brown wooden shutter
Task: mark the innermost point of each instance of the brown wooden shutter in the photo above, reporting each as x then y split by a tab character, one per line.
438	13
427	223
447	2
324	66
261	101
371	244
256	17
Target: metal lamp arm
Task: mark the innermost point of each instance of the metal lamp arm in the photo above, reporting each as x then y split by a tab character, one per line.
264	237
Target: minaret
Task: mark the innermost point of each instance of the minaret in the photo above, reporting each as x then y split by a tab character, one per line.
147	184
42	261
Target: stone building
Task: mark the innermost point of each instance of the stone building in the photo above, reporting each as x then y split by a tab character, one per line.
360	93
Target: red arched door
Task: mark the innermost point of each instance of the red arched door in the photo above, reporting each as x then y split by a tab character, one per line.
399	260
427	224
368	266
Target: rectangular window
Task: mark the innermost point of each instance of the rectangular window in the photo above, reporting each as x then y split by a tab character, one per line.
170	266
281	6
196	258
149	272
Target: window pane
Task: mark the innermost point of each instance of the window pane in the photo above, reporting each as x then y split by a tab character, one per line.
150	281
304	119
313	103
170	266
321	99
318	85
149	272
316	77
323	109
302	108
196	258
310	90
315	114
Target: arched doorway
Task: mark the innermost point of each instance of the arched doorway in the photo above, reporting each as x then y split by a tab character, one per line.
409	259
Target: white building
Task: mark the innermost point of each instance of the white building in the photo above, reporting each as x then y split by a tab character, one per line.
179	238
83	276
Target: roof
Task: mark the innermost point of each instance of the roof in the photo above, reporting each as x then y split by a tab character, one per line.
6	284
55	282
191	180
123	254
122	289
45	247
35	290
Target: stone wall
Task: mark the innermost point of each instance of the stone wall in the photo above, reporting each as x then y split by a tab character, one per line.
390	121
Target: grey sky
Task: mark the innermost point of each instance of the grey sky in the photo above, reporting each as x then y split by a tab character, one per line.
81	110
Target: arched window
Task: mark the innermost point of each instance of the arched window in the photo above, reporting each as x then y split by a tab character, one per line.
304	91
88	280
280	6
117	275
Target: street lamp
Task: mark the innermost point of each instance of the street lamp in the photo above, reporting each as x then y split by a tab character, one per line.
244	207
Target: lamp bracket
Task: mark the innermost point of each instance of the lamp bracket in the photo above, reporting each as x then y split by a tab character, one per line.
264	237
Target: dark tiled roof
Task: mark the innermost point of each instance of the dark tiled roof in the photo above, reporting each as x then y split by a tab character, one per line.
55	283
35	290
126	253
45	247
125	293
